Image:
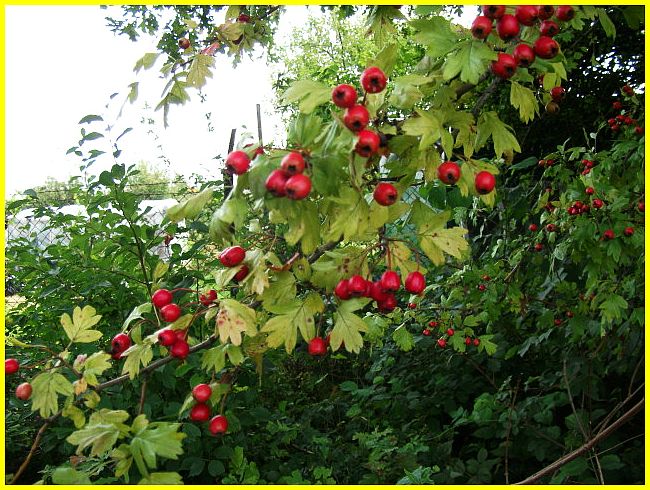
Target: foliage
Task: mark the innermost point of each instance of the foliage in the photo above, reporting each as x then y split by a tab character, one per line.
511	358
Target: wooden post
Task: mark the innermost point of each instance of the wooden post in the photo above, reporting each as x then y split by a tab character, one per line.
227	177
259	124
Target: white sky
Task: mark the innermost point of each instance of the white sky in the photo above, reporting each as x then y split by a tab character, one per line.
55	78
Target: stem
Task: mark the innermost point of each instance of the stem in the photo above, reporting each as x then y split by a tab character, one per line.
143	395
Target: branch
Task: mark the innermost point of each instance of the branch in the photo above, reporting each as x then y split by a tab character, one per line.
35	444
585	447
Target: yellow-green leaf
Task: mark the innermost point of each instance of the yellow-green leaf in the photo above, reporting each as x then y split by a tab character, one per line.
200	70
136	355
347	326
234	319
78	328
523	98
45	390
191	207
294	316
309	94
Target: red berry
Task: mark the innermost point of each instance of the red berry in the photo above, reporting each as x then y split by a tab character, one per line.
551	228
218	425
344	95
433	323
628	90
241	273
590	191
412	306
481	27
638	130
629	231
183	43
426	332
546	47
484	182
468	341
477	342
317	347
180	349
494	11
385	194
24	391
545	12
450	331
298	187
449	173
539	247
373	80
120	343
11	366
377	293
524	55
557	93
532	227
244	18
569	314
167	337
170	313
356	118
505	66
608	235
390	281
481	287
486	277
161	298
415	282
565	12
238	162
356	286
507	27
200	413
557	322
387	305
526	14
180	334
641	206
617	105
597	203
367	143
293	163
442	343
549	28
232	256
202	392
341	290
276	183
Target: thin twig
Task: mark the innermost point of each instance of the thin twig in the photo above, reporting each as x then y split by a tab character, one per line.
143	394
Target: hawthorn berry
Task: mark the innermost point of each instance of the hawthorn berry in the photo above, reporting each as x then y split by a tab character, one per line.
629	231
238	162
426	332
590	191
180	349
341	290
356	118
298	187
549	28
524	55
546	47
539	247
433	323
504	66
11	366
532	227
481	27
565	13
608	234
484	182
477	342
468	341
183	43
367	143
641	206
356	286
120	343
415	282
202	392
373	80
170	313
232	256
450	331
597	203
385	194
545	12
442	343
161	298
167	337
218	424
200	413
293	163
494	11
317	347
449	172
24	391
276	183
344	95
387	305
526	14
390	281
412	306
241	274
508	27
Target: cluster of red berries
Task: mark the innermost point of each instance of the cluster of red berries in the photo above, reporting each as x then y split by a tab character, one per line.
449	173
382	290
170	312
449	332
289	179
615	123
546	163
508	27
23	390
201	411
482	287
588	164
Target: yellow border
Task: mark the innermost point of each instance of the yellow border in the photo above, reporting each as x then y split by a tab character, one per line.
344	2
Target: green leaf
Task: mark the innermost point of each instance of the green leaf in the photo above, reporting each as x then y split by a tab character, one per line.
295	316
78	328
166	478
434	239
403	338
489	125
75	414
158	439
400	255
348	216
347	326
135	356
281	290
470	61
159	271
606	22
146	62
191	207
94	366
69	476
487	344
200	70
406	92
136	314
90	118
45	390
427	126
234	319
436	35
102	432
523	98
613	307
386	59
308	94
233	211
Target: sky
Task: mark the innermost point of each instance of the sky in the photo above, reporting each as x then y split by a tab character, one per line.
56	78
